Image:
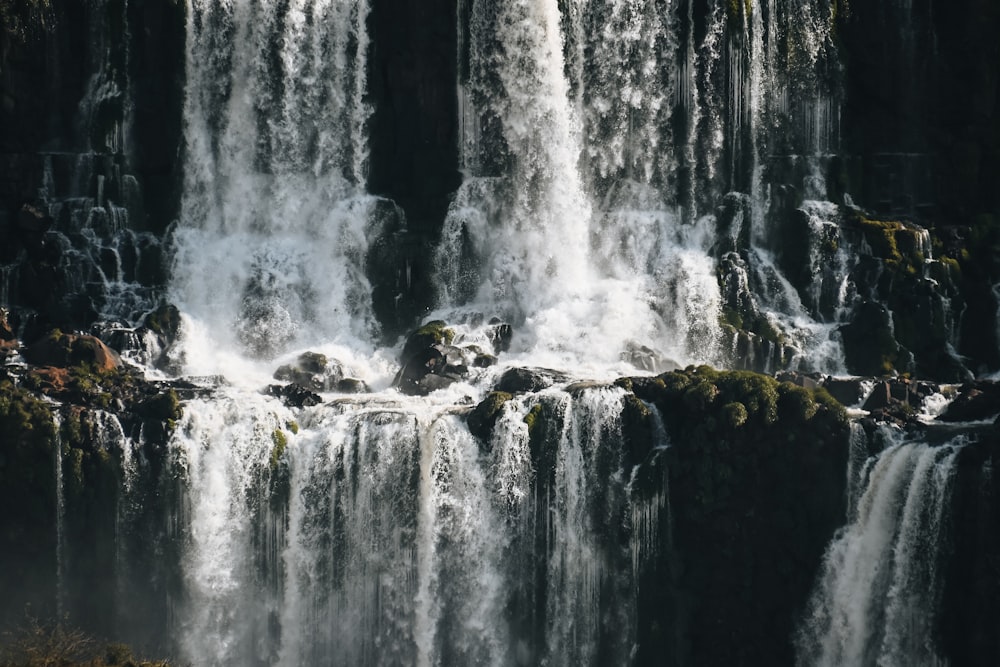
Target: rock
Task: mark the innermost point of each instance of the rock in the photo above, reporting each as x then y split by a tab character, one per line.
430	383
578	388
879	398
976	401
848	391
436	332
500	335
165	321
164	326
63	350
484	416
798	379
313	371
870	347
352	386
431	362
33	220
646	358
161	407
293	395
518	380
6	330
431	369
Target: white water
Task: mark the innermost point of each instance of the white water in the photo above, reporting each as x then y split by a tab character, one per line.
403	541
275	224
876	597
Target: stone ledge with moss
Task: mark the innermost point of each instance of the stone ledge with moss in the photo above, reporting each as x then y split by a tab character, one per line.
66	417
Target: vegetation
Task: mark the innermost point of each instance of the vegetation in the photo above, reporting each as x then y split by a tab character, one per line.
35	644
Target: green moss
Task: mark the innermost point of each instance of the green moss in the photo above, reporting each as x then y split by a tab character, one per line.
280	441
881	237
534	417
700	397
732	318
952	264
795	404
438	330
293	427
734	414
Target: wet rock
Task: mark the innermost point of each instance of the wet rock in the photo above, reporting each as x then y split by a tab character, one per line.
519	380
647	359
976	401
430	361
352	386
870	348
63	350
481	359
312	370
33	220
578	388
430	369
6	330
436	332
799	379
483	417
293	395
500	335
160	329
848	391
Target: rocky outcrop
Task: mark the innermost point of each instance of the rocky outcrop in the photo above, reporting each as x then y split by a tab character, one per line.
68	417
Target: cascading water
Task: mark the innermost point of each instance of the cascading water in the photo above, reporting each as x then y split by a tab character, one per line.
878	590
381	532
636	197
274	216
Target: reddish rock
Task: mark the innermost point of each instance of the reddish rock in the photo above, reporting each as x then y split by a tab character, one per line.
50	381
62	350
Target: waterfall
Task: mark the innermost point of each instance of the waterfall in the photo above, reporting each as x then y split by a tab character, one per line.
274	215
383	532
626	105
878	590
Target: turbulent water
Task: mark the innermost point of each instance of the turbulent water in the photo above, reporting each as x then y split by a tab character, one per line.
391	537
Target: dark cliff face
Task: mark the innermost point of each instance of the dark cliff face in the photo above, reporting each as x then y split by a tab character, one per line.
90	149
922	113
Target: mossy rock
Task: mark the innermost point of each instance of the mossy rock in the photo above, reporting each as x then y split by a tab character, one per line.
436	332
484	416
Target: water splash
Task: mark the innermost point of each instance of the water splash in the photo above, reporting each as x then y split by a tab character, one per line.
274	216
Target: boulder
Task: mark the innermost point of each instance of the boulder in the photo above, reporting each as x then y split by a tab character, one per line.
430	369
33	220
847	391
880	397
647	359
436	332
484	416
293	395
312	370
976	401
519	380
500	335
63	350
430	362
352	386
798	379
